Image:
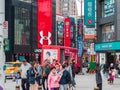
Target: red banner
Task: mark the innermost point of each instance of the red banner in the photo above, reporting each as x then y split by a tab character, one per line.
67	41
44	22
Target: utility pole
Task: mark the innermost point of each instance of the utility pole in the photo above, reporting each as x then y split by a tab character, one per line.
2	54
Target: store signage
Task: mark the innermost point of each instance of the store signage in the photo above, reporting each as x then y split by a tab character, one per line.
109	8
60	33
44	22
5	29
89	33
89	12
45	38
67	36
107	46
80	46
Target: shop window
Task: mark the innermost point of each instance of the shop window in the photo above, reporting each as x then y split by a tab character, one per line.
21	26
108	8
108	33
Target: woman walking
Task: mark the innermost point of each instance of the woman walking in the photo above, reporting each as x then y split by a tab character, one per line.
32	73
53	79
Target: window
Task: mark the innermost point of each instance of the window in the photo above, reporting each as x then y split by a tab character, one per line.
108	33
108	8
21	26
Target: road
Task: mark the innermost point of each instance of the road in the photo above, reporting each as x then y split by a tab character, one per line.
84	82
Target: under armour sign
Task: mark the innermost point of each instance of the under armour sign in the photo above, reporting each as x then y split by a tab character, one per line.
44	33
45	38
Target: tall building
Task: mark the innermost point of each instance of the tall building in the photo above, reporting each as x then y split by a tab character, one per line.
66	7
23	27
108	29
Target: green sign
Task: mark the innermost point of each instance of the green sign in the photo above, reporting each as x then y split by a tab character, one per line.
107	46
6	44
89	12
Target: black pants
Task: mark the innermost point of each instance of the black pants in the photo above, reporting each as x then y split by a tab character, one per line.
24	84
39	80
43	82
54	88
99	86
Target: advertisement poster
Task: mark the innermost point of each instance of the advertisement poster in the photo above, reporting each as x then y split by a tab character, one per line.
50	53
60	32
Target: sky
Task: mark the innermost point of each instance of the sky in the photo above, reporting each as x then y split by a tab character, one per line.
79	7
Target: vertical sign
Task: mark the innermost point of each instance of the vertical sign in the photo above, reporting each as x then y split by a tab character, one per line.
89	12
80	46
44	22
67	36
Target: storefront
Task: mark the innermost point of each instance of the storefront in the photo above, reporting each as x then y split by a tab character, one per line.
59	53
110	50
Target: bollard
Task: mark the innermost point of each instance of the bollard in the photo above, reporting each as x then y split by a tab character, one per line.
96	88
17	87
39	87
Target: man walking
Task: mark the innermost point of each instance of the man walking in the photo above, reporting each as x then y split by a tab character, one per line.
24	68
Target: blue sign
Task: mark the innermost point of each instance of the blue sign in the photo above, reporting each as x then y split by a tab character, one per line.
80	46
107	46
89	12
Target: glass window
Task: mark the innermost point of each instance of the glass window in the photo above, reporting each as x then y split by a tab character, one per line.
108	8
65	4
21	26
108	33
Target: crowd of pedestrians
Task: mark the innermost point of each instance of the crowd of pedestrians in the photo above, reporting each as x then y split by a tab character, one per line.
54	76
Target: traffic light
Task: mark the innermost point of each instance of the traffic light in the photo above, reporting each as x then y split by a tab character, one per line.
6	44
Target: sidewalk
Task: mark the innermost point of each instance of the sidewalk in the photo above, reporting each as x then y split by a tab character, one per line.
87	82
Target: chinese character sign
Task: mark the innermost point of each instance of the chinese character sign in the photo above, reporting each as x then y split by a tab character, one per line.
89	12
67	35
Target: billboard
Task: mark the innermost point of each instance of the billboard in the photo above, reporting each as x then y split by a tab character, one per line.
89	12
50	53
44	22
89	33
67	32
60	32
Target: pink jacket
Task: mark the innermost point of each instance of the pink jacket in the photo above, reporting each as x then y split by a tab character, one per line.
53	80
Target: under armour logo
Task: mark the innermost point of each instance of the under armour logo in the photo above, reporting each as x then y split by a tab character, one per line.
45	37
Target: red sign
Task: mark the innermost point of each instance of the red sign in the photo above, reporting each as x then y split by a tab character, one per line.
67	40
44	22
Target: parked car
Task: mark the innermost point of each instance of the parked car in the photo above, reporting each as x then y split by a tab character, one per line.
11	69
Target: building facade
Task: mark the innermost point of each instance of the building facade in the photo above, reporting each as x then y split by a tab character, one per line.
66	7
108	29
23	28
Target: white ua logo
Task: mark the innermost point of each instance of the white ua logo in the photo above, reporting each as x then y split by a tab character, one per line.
45	37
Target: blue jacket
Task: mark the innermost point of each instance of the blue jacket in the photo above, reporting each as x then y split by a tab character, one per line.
31	76
65	79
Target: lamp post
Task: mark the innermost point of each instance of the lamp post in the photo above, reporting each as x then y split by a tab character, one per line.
2	54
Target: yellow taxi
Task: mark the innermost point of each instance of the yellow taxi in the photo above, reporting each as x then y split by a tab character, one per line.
11	68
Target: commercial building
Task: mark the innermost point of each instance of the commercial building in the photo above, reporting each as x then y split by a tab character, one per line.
66	7
108	30
22	17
